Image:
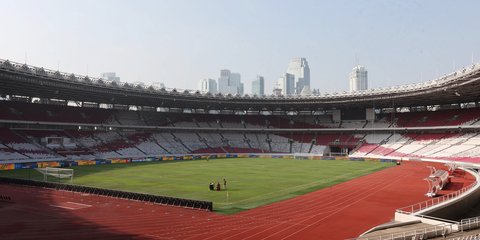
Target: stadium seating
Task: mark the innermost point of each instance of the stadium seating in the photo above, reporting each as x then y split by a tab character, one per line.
432	145
376	137
25	149
354	124
7	153
89	144
450	117
51	113
279	144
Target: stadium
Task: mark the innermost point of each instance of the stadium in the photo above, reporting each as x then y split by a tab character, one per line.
83	157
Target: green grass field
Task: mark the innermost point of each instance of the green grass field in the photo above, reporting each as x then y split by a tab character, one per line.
250	182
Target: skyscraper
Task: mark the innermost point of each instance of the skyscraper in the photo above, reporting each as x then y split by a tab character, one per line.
299	68
358	79
207	85
287	84
258	86
223	81
236	83
230	83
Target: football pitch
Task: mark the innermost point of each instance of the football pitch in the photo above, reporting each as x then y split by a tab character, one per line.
251	182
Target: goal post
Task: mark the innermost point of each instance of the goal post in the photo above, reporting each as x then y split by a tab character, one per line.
58	173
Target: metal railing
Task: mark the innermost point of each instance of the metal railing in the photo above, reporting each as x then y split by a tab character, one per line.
434	201
440	230
419	233
469	223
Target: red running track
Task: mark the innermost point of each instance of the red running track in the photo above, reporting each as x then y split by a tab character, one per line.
341	211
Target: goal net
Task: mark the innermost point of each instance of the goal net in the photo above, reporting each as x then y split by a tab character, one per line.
56	173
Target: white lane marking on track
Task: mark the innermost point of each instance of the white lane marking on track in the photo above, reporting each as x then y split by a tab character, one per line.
376	190
80	204
400	177
64	207
371	181
75	206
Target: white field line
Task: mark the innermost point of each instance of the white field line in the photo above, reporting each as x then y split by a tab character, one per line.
299	187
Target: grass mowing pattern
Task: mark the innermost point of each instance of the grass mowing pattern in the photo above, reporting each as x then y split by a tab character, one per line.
251	182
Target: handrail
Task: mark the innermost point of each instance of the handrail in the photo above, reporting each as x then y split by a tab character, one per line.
431	231
466	220
434	201
469	223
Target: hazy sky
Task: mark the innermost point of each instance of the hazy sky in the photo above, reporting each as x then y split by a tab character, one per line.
179	42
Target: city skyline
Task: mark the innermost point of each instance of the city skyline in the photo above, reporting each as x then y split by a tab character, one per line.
296	80
179	42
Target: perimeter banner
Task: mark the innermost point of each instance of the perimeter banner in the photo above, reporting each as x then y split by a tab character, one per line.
26	165
115	161
8	166
86	162
48	164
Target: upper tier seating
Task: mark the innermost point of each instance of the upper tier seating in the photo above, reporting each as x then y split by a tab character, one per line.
450	117
15	110
465	147
51	113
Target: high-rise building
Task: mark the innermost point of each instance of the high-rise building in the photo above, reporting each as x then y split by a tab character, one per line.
110	76
230	83
258	86
287	84
299	68
358	79
223	81
236	82
207	85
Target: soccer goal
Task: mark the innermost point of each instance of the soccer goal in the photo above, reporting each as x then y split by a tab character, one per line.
57	173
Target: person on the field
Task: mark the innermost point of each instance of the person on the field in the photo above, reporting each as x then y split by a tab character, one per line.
218	186
211	186
224	184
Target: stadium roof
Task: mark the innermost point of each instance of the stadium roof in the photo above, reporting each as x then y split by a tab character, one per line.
461	86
